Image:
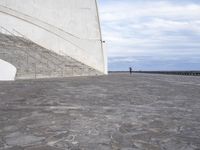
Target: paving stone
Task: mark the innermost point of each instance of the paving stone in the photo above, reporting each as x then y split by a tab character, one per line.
116	112
20	139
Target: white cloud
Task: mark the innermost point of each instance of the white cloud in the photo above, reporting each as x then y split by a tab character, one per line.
123	10
133	28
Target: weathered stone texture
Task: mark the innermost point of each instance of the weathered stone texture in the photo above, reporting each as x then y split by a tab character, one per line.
115	112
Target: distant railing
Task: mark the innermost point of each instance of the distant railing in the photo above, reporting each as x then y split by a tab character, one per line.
185	73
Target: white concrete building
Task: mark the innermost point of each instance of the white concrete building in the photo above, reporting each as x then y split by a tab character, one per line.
66	27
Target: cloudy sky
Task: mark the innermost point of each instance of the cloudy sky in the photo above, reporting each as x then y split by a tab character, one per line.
151	34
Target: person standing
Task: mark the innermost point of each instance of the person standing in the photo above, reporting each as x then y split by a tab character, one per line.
130	70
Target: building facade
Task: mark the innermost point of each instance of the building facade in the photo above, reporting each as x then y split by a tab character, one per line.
66	27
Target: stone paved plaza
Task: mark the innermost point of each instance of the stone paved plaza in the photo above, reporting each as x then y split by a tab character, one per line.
115	112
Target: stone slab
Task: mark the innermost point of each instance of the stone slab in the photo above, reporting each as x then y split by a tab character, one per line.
115	112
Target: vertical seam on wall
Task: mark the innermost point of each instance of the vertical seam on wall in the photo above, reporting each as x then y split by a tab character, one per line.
102	49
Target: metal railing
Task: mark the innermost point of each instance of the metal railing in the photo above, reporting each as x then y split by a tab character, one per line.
184	73
62	64
59	65
19	37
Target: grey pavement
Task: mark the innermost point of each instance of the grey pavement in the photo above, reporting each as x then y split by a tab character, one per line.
115	112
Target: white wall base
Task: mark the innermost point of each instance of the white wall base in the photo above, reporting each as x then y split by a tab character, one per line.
7	71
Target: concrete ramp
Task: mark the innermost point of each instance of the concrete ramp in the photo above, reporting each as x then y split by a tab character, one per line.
33	61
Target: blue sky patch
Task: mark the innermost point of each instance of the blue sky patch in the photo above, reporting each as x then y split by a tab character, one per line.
151	34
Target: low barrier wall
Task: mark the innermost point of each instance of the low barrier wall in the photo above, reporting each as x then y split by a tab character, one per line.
186	73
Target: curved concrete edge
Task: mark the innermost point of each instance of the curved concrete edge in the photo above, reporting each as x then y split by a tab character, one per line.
8	71
64	43
104	53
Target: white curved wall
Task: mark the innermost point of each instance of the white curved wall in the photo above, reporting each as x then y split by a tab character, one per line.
7	71
68	27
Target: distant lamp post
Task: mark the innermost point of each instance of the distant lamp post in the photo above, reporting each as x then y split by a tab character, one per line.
103	41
